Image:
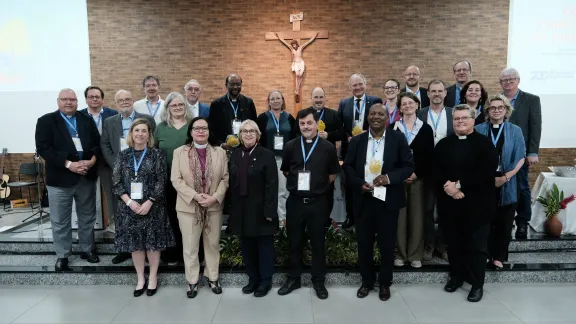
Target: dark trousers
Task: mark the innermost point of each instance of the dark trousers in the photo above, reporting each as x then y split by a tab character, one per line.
258	256
330	197
375	222
311	217
466	246
501	232
524	207
175	253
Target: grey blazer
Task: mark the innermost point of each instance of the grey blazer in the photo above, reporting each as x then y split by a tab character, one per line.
528	116
423	116
111	134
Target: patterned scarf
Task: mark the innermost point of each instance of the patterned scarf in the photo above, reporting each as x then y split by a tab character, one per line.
199	186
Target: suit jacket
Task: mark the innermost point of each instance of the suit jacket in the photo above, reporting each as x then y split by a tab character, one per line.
203	110
111	134
346	115
334	125
55	146
423	115
450	99
183	179
398	165
221	116
528	116
425	101
106	112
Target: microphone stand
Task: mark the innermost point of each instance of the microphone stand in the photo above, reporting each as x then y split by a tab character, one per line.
40	211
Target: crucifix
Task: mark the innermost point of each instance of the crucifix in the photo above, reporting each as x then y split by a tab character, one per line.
296	35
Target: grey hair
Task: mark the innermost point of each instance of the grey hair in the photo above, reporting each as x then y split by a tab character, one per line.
192	81
249	122
166	116
471	111
358	75
501	97
510	71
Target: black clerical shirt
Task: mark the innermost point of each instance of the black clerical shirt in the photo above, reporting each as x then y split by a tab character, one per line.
323	162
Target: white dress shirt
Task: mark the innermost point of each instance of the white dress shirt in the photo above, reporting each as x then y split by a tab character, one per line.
417	93
362	109
374	151
97	119
141	107
442	130
195	109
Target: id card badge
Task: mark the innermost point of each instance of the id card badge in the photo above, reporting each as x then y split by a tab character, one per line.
77	144
303	180
499	168
123	143
380	193
136	190
278	142
236	126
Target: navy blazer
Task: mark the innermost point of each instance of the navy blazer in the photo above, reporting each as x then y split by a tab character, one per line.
450	99
203	110
346	113
55	146
398	165
425	101
107	112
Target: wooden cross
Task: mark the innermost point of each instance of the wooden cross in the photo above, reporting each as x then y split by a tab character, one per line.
298	35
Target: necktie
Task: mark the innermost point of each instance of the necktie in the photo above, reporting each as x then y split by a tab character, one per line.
359	109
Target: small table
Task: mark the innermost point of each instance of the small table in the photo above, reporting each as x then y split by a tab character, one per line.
567	216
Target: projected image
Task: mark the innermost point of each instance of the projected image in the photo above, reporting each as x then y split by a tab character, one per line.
14	45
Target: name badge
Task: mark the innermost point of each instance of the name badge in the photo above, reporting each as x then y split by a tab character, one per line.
77	144
236	126
380	193
278	142
136	190
123	143
303	180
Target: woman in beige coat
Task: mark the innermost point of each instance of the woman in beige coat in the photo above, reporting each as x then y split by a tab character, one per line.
200	177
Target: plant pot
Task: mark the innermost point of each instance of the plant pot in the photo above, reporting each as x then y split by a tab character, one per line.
553	226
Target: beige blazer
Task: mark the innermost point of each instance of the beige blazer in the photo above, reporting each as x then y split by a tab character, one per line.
183	182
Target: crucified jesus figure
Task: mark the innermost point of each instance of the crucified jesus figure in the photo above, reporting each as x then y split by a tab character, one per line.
298	66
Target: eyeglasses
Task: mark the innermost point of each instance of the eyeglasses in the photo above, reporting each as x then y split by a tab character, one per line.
509	80
68	99
497	108
200	129
179	105
461	70
94	97
121	101
391	88
249	131
193	89
462	119
411	74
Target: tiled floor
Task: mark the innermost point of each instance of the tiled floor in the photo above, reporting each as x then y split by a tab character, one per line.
502	303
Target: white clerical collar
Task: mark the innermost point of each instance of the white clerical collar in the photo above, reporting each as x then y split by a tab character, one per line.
200	146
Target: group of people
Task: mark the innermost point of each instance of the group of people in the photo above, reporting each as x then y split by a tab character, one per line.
170	168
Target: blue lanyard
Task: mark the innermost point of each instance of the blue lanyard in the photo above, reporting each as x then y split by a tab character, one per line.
375	145
322	114
276	122
137	166
495	140
358	109
71	124
99	120
149	106
436	122
406	132
235	108
479	111
393	116
307	157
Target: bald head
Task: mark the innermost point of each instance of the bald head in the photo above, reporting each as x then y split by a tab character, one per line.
234	85
124	101
412	76
67	101
318	98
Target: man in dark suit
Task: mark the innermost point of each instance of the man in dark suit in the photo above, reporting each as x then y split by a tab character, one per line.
412	78
193	92
528	116
69	142
229	111
95	99
376	166
114	134
353	113
462	72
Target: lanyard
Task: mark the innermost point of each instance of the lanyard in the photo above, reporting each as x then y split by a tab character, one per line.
393	115
358	109
99	120
149	106
417	93
479	111
406	132
137	166
375	145
235	108
436	122
276	122
71	124
307	157
495	140
322	114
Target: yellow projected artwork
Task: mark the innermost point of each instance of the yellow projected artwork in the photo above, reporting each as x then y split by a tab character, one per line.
14	42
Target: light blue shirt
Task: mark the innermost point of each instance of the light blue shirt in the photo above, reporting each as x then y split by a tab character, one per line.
126	122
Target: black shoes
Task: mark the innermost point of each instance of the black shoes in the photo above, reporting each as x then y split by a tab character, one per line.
453	285
384	293
61	264
140	292
321	290
215	286
289	286
475	295
250	288
121	257
193	290
262	291
90	257
363	291
152	292
522	231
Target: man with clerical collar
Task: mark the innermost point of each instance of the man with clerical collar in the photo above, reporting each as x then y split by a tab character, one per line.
193	92
353	112
377	163
310	164
528	116
69	143
412	78
113	141
229	111
462	73
439	117
153	104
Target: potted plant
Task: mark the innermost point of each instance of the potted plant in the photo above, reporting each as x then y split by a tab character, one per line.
553	202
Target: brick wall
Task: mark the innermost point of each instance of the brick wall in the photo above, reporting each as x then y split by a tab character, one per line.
206	40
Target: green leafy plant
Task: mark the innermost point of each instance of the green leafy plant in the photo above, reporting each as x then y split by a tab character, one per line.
554	201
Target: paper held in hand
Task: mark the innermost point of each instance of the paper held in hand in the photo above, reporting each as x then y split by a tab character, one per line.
380	193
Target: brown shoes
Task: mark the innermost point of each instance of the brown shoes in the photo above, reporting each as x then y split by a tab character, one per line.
384	293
